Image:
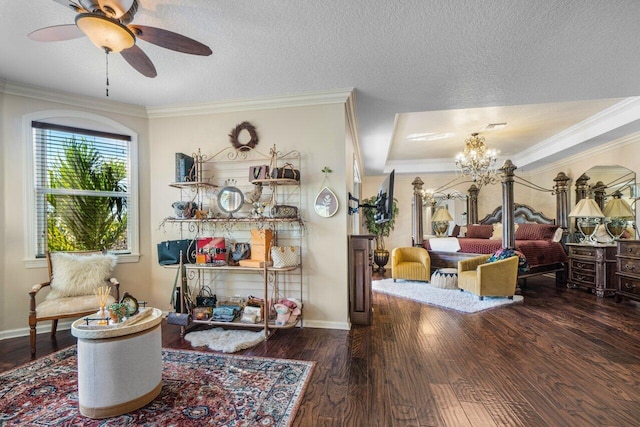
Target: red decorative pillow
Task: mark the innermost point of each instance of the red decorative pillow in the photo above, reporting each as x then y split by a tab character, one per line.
533	231
479	231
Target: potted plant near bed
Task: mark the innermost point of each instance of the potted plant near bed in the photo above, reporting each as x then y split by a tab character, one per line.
382	230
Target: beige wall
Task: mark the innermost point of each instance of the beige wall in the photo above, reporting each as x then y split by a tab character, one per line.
318	132
16	279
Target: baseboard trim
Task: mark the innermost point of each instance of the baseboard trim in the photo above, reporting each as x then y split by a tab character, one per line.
43	328
326	325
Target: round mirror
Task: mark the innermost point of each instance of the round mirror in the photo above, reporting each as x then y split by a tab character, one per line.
230	199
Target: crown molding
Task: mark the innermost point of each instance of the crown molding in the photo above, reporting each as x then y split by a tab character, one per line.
445	165
618	115
632	138
337	96
80	101
352	127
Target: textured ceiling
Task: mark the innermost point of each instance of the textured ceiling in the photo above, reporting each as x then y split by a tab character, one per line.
400	56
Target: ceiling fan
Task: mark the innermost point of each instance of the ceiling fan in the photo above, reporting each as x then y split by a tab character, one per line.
107	24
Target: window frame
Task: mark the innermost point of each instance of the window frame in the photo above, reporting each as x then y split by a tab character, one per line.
87	121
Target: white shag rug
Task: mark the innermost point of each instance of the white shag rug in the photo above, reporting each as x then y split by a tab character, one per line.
447	298
227	341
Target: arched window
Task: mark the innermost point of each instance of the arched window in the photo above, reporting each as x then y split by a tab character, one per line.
83	170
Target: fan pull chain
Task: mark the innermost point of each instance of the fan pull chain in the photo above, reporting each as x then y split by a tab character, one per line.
106	51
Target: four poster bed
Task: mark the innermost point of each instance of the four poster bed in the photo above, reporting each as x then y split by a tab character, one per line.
516	226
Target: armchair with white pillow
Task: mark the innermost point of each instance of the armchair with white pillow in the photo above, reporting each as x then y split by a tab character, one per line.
73	279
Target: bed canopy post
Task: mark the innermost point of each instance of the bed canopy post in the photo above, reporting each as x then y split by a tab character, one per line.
417	232
508	216
472	205
599	191
562	202
582	188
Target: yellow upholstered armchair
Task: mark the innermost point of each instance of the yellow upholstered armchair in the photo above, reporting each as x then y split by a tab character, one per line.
73	278
410	263
493	279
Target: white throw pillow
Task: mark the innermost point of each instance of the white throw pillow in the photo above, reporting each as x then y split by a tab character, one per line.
77	275
497	231
558	235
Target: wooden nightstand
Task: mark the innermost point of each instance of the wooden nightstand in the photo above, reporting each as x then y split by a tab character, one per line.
628	270
593	267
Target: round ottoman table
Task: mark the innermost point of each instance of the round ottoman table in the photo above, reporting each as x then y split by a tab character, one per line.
119	367
446	278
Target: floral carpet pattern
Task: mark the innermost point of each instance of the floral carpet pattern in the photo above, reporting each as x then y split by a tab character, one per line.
197	389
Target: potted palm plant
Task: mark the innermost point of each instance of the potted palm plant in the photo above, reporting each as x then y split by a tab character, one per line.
382	230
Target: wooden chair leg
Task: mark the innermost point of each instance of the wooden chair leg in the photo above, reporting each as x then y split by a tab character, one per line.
32	339
54	327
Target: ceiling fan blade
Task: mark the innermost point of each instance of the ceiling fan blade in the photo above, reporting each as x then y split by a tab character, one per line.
170	40
56	33
140	61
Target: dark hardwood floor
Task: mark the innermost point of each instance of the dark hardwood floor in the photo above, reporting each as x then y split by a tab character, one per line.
560	358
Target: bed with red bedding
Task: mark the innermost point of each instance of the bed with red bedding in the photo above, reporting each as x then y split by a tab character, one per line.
538	242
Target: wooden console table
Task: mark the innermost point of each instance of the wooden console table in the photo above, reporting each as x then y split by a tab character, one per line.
593	267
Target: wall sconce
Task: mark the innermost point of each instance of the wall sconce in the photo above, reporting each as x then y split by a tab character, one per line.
440	221
619	212
588	216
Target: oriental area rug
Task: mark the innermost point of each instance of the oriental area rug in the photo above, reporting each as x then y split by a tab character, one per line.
452	299
197	389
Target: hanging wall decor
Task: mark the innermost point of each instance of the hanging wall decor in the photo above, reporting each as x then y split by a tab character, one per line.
326	204
235	136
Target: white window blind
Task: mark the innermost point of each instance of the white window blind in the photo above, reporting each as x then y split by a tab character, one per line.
82	194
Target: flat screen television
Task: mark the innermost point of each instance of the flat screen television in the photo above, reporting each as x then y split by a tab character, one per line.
384	200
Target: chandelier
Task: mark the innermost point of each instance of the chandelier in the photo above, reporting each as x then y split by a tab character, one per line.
477	161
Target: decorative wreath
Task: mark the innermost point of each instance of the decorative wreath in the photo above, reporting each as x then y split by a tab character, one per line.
235	132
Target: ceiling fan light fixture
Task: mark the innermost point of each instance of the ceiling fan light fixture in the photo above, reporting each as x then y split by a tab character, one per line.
105	33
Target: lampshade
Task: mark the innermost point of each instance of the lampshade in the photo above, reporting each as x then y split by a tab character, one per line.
105	33
618	208
586	208
442	214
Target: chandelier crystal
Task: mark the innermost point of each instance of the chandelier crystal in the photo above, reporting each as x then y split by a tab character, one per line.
477	161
